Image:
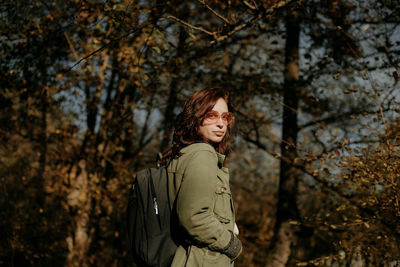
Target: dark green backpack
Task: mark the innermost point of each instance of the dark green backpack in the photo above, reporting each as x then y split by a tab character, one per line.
149	219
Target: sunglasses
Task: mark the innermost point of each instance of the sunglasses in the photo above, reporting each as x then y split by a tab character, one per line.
214	116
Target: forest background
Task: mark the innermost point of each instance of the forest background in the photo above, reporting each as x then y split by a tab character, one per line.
90	90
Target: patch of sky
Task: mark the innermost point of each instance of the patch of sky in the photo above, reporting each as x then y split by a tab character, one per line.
203	68
331	175
308	55
141	116
143	17
394	38
247	16
303	117
267	103
379	187
270	108
380	79
72	103
249	162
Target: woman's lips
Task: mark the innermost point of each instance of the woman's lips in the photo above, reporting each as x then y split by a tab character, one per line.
219	133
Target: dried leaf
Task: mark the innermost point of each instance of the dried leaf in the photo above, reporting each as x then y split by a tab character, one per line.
336	76
349	91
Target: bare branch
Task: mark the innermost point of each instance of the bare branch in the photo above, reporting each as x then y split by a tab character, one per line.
252	21
252	7
258	144
89	56
377	100
237	28
214	12
112	41
187	24
219	38
341	116
277	5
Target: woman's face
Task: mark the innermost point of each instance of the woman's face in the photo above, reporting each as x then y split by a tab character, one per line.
214	126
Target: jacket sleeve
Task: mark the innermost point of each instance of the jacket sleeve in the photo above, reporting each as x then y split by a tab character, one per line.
194	200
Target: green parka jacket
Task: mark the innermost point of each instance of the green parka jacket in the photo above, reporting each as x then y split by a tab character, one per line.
201	201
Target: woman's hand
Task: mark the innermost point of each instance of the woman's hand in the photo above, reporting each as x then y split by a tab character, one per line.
236	230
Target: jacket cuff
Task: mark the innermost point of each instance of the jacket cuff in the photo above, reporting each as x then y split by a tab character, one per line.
232	250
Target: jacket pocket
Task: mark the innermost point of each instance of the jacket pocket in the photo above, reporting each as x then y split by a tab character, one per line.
222	208
203	257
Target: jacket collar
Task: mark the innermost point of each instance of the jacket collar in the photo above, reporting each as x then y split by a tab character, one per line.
221	159
205	146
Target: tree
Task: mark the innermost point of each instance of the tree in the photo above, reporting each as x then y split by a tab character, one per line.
91	90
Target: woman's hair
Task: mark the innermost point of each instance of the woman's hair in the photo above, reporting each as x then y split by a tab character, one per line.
191	118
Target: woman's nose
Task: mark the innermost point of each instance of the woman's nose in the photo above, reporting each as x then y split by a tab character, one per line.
220	122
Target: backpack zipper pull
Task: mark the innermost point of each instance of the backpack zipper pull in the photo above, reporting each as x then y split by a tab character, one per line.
155	205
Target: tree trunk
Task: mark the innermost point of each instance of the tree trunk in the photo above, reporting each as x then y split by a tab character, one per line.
79	201
285	237
169	117
43	135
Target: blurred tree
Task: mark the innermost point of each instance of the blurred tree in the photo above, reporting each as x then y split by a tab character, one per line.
34	225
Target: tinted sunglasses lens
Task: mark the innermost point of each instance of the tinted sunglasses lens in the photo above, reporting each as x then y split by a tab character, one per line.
228	118
211	116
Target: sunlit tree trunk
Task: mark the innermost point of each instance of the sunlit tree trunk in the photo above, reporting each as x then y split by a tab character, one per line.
82	175
80	203
286	211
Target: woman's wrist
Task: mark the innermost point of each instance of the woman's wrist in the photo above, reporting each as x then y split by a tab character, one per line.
234	247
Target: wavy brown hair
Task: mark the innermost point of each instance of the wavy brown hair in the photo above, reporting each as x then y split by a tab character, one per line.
191	118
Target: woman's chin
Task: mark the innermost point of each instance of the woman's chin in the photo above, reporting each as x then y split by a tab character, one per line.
216	139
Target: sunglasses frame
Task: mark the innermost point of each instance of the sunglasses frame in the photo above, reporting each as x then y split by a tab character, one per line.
228	120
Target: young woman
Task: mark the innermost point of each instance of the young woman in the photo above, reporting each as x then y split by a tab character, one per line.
199	190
